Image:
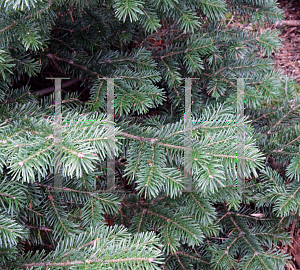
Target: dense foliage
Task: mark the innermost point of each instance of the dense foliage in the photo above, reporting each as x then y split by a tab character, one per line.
149	221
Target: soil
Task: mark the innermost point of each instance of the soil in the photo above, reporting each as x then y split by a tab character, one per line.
288	58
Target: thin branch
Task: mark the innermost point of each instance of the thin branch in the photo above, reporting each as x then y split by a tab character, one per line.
27	17
7	195
70	263
293	109
51	89
53	205
291	22
71	62
38	228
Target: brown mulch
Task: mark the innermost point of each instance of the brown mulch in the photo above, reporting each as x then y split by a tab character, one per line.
288	58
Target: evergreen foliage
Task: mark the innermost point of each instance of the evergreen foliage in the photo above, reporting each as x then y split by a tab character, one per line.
153	223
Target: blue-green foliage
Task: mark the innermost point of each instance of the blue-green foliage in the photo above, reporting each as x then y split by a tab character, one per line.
148	47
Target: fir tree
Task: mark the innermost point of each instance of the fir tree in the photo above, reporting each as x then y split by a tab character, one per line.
154	223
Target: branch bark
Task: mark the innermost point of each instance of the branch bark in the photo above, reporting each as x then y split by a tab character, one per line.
51	89
291	22
38	228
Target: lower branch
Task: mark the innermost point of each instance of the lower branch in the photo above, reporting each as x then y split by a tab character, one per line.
69	263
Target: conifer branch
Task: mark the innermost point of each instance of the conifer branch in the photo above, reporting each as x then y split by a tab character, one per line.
281	119
170	220
27	17
36	154
150	67
54	207
86	262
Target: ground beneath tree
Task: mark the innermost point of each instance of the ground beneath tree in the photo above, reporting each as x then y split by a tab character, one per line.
288	58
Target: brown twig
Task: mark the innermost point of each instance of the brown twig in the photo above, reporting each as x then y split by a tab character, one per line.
51	89
291	22
39	228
